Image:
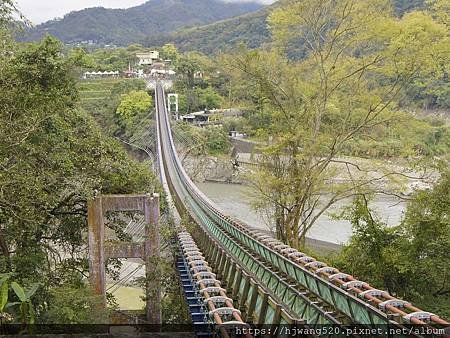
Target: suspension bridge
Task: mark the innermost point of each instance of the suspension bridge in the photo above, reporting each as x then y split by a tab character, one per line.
234	275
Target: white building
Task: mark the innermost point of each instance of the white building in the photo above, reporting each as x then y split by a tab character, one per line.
146	59
163	72
97	75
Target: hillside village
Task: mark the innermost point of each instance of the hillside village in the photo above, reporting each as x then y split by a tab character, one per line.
147	64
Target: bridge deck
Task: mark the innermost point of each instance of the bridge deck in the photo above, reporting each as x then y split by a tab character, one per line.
275	283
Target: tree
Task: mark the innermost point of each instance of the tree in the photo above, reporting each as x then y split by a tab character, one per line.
54	157
217	141
134	105
113	60
367	254
431	89
74	305
208	98
9	13
411	260
170	52
135	47
133	110
425	238
199	92
187	67
440	10
359	58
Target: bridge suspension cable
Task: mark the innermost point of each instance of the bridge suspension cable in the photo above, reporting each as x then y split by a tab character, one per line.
124	279
303	286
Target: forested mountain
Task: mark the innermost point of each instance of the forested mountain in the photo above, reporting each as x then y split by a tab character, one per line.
202	25
250	29
124	26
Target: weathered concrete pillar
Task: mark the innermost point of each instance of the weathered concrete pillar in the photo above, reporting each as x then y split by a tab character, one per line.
152	257
149	251
96	238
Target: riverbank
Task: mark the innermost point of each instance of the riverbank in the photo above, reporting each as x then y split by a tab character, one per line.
328	234
389	176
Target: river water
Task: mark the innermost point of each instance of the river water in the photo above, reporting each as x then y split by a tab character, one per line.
236	200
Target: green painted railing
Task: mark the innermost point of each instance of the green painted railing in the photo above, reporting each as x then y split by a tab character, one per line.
245	249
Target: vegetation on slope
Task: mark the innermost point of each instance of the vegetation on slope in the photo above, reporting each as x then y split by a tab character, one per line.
250	29
125	26
344	90
54	157
102	97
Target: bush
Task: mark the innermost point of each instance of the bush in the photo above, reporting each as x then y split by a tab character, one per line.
410	260
217	141
74	305
132	104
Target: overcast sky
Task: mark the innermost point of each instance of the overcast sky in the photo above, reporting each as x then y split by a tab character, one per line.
39	11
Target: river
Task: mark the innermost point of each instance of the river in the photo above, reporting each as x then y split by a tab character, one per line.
236	200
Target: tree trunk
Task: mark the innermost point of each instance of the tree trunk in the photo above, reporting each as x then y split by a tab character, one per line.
282	233
295	234
302	241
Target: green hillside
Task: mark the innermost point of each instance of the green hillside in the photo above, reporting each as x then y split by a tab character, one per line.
250	29
125	26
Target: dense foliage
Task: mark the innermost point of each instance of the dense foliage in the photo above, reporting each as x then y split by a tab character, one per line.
102	97
410	260
53	158
125	26
7	11
135	105
118	59
196	92
341	97
250	29
332	85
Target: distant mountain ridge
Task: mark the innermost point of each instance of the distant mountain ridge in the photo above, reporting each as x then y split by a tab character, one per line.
125	26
